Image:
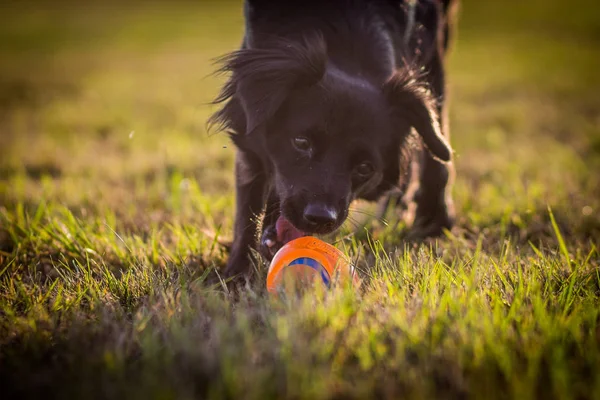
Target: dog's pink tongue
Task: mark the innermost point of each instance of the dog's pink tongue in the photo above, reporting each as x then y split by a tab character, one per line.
286	232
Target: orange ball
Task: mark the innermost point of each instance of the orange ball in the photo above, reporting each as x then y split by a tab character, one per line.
308	260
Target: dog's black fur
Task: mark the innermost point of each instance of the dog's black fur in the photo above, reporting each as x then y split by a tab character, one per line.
320	104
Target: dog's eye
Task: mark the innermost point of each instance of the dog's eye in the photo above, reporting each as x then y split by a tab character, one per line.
364	170
301	143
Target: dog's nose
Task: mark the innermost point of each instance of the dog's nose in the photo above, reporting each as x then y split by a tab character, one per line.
320	214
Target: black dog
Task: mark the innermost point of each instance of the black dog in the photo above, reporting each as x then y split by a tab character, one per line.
320	104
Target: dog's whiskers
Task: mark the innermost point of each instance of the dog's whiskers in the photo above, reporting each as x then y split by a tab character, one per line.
370	214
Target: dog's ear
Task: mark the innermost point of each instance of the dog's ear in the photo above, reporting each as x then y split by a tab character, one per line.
411	102
262	78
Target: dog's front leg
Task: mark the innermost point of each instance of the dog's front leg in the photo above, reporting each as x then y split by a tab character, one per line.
435	209
251	184
269	243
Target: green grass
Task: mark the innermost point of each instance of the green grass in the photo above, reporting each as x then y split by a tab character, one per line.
113	201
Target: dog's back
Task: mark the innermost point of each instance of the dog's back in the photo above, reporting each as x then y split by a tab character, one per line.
376	36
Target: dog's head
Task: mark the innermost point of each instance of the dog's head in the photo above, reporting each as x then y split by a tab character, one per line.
327	136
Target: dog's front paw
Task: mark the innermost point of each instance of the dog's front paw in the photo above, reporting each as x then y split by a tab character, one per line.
432	218
239	266
269	243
